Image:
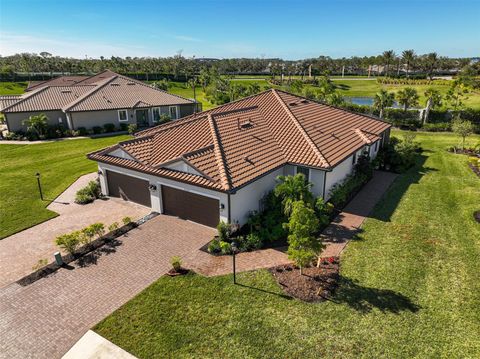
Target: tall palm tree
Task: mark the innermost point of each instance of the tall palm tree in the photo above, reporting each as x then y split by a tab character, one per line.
408	97
434	99
382	100
293	188
431	61
409	57
388	57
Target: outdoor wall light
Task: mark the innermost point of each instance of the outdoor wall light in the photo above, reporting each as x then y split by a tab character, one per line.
222	206
152	187
100	172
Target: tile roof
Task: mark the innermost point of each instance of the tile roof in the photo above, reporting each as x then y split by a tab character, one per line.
8	100
103	91
58	81
238	142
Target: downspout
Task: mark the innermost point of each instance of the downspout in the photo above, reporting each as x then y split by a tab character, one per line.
324	183
229	209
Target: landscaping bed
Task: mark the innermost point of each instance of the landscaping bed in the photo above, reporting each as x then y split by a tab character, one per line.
316	284
105	243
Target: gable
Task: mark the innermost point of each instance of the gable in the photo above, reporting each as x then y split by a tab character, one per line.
183	166
120	153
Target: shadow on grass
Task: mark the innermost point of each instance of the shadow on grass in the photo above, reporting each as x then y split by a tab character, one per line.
365	299
284	296
385	208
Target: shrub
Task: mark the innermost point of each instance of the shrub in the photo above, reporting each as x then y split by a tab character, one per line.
342	192
253	241
109	127
398	155
214	246
164	118
41	263
69	242
132	128
88	234
437	127
98	229
225	247
82	131
323	210
123	127
88	193
97	130
126	220
223	230
113	227
176	263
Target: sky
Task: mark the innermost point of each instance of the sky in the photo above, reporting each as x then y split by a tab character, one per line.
293	29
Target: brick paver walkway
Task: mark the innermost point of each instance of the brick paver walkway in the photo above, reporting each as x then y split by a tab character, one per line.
348	222
21	251
44	319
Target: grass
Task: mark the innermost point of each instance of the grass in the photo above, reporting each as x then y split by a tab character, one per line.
409	287
12	88
60	164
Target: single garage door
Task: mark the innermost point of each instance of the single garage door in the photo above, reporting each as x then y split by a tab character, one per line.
192	206
129	188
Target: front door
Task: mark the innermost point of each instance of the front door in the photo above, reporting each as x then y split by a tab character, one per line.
142	118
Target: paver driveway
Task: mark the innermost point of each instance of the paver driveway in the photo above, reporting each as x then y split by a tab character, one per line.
21	251
44	319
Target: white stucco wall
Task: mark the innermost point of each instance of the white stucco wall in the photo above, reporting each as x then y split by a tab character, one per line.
338	174
248	198
155	196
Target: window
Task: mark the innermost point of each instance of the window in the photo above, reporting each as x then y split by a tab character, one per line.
156	114
305	171
122	115
173	112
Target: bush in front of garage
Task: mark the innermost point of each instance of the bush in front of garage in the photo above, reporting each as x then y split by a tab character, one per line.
89	193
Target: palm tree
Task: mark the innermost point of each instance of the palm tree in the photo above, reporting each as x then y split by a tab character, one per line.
434	99
408	56
291	189
382	100
431	61
408	97
388	57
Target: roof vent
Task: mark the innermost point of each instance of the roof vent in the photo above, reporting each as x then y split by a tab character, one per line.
292	104
66	91
245	125
304	101
115	84
130	83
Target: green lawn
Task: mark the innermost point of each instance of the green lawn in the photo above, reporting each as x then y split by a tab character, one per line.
60	164
12	88
409	287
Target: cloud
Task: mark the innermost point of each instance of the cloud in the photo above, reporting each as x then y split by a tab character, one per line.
15	43
186	38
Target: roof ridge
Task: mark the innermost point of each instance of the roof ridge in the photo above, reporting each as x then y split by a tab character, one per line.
29	94
165	126
300	127
89	77
219	156
89	93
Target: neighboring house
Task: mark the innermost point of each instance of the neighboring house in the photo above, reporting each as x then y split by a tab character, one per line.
107	97
218	164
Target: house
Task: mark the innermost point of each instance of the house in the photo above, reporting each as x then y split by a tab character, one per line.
218	164
79	101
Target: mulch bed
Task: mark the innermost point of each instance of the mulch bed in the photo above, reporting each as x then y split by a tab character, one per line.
315	285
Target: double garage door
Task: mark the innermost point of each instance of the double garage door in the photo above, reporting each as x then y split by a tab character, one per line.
175	202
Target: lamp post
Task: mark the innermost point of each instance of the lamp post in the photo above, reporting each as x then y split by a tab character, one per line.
234	250
39	185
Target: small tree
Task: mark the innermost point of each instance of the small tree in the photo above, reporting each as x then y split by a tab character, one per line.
176	263
457	94
37	124
303	247
88	234
382	100
408	97
69	242
98	229
462	128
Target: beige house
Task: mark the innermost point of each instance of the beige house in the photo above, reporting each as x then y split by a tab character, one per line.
94	101
218	164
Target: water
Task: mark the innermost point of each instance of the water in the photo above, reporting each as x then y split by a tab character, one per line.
365	101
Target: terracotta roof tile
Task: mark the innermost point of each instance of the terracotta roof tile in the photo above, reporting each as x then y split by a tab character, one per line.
235	143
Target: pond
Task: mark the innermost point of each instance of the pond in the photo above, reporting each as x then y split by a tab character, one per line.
365	101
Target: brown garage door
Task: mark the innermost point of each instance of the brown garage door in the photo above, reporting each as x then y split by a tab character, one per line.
129	188
192	206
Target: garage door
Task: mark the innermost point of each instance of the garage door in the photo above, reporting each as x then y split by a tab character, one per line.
129	188
192	206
